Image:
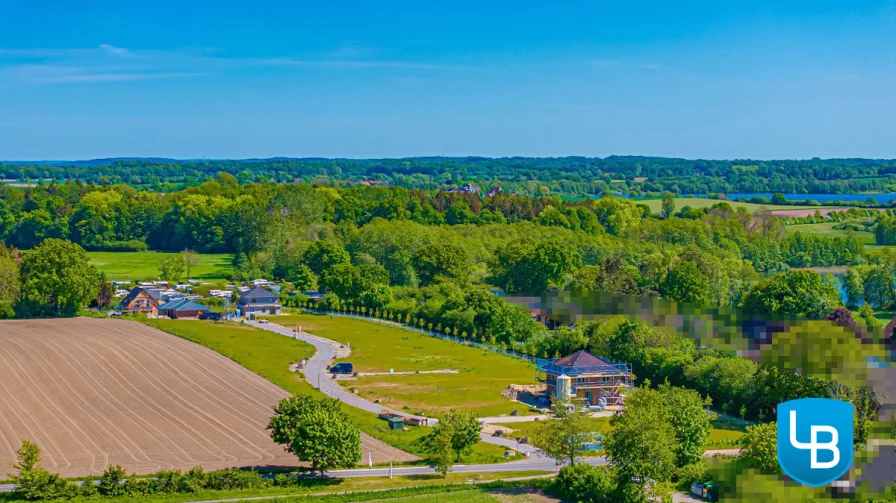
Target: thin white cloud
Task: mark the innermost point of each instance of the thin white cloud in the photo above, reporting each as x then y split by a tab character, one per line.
110	63
360	63
116	51
114	77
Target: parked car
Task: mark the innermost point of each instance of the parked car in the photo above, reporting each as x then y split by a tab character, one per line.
263	321
211	315
342	368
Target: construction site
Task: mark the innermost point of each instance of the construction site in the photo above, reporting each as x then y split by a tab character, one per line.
593	380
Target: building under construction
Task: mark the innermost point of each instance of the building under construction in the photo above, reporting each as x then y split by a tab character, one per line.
583	375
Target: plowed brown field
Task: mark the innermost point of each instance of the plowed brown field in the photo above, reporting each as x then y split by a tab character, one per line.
94	393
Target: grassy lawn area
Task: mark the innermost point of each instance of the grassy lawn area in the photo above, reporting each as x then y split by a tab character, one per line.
269	355
699	202
722	436
477	386
827	229
145	265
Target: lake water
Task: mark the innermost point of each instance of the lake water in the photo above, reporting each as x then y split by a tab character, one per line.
821	198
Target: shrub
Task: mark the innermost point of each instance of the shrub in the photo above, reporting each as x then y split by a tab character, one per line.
688	474
193	481
112	482
584	483
32	481
234	478
167	481
284	480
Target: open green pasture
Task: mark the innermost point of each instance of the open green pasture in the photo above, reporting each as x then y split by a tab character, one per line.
699	202
481	375
145	265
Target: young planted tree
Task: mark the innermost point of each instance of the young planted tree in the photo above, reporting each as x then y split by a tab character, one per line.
32	481
316	431
668	204
105	297
563	438
172	268
191	261
439	448
464	427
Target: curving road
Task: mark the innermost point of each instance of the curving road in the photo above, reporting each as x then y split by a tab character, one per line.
316	373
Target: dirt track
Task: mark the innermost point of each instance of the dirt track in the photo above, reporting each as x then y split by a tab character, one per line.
93	393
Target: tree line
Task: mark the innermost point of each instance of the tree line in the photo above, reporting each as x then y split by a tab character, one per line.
570	176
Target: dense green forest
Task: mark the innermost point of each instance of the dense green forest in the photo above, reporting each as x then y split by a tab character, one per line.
568	176
433	258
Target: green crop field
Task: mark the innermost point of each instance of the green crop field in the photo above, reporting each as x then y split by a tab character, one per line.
699	202
481	375
144	266
269	355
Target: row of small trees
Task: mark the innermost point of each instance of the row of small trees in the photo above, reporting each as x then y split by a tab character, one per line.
33	482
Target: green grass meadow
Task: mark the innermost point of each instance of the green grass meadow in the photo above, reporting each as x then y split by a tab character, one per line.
144	266
699	202
482	375
269	355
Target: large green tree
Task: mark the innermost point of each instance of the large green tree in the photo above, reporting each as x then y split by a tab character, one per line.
324	254
795	293
317	431
441	260
641	443
9	281
686	283
689	420
528	266
57	279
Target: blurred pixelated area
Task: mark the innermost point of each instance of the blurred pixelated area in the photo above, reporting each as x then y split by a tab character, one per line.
780	359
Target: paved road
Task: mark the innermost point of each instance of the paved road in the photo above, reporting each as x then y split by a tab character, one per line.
316	371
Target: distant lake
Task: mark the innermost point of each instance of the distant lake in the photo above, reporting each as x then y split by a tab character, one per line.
821	198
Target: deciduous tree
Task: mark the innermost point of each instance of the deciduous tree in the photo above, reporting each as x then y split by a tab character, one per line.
191	261
563	438
57	278
316	431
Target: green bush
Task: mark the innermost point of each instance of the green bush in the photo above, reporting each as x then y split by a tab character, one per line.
689	474
585	484
112	482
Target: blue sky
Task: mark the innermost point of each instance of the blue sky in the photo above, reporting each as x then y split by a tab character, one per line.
226	79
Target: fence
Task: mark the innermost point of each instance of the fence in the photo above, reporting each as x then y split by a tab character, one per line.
451	338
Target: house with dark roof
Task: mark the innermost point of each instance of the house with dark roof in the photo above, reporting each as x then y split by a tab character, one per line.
182	308
258	301
142	299
594	380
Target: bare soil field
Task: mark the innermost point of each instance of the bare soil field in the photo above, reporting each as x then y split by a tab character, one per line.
93	393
